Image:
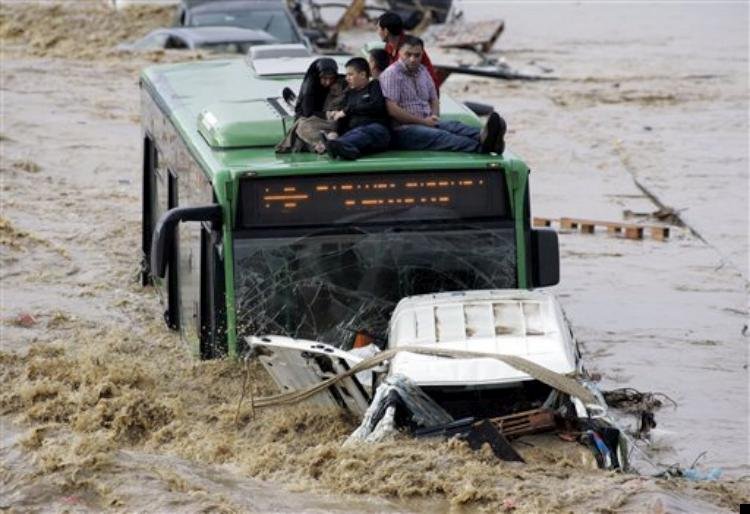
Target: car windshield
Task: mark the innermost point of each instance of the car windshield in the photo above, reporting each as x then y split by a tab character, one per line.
152	42
327	286
273	21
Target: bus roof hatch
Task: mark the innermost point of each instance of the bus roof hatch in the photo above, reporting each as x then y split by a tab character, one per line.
251	123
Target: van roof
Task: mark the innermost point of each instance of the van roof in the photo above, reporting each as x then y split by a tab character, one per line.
231	117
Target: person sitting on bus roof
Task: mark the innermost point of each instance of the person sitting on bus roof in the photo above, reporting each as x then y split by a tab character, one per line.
321	93
363	121
412	102
391	32
379	60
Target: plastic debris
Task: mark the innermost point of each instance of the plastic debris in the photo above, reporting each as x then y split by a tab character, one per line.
696	474
24	320
693	474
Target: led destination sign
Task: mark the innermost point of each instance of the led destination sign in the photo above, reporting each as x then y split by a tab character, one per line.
425	196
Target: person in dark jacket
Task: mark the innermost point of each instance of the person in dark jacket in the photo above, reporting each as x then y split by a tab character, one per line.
321	93
319	78
363	121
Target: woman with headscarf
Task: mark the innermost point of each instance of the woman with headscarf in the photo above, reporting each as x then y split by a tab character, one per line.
322	91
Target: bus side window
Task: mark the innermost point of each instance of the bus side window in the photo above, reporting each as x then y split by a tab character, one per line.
148	213
161	193
155	201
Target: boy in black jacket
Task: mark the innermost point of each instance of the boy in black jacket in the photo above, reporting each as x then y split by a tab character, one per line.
363	121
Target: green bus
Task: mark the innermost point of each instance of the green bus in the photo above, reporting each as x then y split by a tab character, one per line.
239	240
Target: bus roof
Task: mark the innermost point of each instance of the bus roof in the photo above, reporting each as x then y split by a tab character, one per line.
231	116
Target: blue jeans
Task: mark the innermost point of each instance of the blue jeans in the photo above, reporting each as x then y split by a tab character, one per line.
452	136
366	139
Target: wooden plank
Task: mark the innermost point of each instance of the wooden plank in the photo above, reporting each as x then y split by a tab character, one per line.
659	233
568	224
633	232
628	230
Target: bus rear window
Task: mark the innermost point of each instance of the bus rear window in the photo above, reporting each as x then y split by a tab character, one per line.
372	198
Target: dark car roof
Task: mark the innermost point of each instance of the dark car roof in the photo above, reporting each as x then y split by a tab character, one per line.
193	3
234	5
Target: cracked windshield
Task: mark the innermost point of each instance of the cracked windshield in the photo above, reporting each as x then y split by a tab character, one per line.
337	261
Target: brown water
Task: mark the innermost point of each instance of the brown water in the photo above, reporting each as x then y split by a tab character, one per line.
658	93
103	408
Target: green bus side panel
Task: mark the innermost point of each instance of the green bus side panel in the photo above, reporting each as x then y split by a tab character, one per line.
193	188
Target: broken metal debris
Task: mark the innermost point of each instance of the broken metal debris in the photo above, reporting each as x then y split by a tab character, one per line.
479	36
434	20
638	404
416	15
398	402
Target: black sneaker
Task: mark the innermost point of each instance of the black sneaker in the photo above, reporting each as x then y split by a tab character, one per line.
337	149
288	95
488	137
500	141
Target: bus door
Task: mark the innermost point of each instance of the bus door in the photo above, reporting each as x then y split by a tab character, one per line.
160	193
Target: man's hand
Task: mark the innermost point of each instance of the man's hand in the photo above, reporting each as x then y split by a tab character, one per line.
431	121
337	115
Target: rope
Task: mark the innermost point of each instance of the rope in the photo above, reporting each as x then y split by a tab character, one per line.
553	379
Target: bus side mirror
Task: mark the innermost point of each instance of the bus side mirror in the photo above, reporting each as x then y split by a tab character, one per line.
545	258
163	240
479	108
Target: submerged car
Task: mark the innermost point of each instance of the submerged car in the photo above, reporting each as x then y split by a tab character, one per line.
271	16
215	39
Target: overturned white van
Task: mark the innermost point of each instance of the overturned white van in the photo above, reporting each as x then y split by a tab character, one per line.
527	324
486	365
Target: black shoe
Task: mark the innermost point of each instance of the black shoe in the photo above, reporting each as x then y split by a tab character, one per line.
488	137
500	141
337	149
288	95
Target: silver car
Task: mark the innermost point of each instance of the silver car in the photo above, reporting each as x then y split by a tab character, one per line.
215	39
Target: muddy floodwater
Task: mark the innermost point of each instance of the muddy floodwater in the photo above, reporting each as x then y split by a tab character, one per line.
103	408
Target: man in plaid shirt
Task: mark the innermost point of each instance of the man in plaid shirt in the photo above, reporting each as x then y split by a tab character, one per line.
391	32
413	104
